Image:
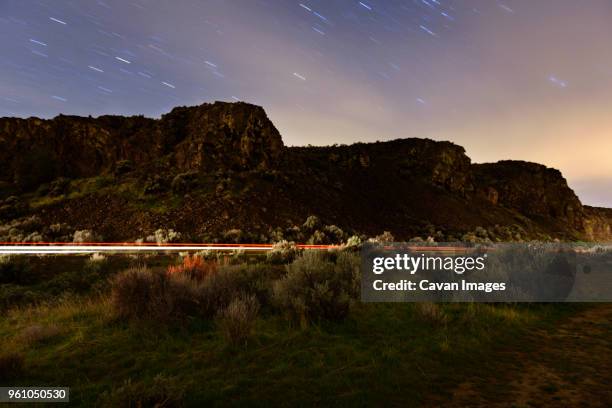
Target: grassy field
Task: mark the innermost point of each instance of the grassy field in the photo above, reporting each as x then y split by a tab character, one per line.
396	354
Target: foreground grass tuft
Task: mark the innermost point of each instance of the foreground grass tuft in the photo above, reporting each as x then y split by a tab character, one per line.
236	322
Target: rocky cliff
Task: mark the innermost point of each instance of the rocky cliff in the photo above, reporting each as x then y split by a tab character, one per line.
206	138
207	170
598	223
532	189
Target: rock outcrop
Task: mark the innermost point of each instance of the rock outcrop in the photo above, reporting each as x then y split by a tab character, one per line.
204	170
598	223
532	189
235	136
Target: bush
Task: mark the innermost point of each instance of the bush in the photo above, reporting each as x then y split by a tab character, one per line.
234	236
237	320
318	285
11	365
218	290
317	238
84	236
194	267
335	233
353	243
142	294
162	392
163	236
385	237
283	252
312	223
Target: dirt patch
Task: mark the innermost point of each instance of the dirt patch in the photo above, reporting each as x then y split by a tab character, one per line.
570	366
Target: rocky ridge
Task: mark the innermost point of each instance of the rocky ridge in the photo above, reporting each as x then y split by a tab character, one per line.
206	170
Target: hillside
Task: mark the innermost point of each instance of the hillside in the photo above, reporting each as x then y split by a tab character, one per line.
221	172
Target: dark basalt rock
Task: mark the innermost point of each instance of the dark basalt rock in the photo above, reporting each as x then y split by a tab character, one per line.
532	189
204	138
225	161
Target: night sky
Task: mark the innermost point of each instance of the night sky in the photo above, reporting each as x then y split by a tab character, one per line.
526	79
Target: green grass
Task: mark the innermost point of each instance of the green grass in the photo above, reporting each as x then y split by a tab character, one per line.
396	354
76	189
384	353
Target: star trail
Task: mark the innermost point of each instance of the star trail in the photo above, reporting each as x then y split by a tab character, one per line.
514	79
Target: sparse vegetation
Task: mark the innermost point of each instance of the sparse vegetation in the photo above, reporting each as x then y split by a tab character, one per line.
140	294
194	267
236	321
160	392
317	286
283	252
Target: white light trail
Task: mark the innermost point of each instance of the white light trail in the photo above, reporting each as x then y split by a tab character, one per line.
38	42
57	20
88	249
55	248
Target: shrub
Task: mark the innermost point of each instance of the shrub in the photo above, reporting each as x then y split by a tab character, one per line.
161	392
317	238
353	242
218	290
142	294
194	267
236	321
318	285
11	365
335	233
84	236
385	237
283	252
234	236
312	223
97	258
207	254
163	236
